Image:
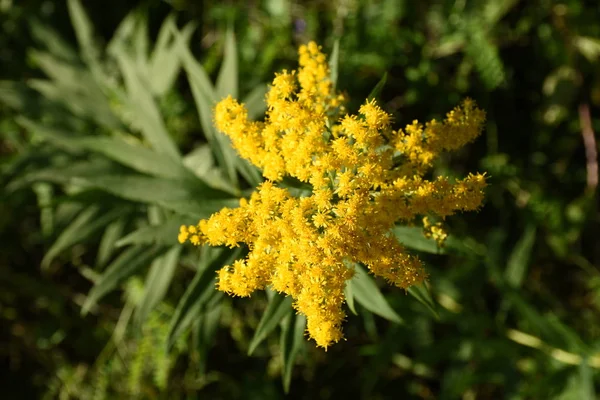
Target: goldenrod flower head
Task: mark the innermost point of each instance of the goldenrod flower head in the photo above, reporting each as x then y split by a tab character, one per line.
365	177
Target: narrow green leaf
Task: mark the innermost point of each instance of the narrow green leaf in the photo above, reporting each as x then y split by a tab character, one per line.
156	285
367	293
123	33
165	64
109	241
75	89
334	60
83	31
227	81
140	41
518	262
378	88
219	143
53	42
422	293
21	97
199	201
205	97
127	264
200	291
56	137
164	234
350	298
279	306
137	157
292	341
145	109
85	225
413	238
201	163
195	71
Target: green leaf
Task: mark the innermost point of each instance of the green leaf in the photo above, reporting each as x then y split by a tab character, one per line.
367	293
24	99
204	98
200	291
279	306
83	31
137	157
109	241
413	238
87	223
201	163
75	88
56	137
519	258
292	341
53	42
127	264
350	298
146	112
156	285
198	201
163	234
165	63
378	88
334	60
124	32
422	293
227	81
196	74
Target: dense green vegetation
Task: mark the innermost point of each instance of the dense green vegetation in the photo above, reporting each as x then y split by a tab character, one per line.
108	146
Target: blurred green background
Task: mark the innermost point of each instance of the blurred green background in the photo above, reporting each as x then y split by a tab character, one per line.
514	304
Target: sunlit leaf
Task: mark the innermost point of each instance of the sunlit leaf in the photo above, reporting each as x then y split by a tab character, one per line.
367	293
413	238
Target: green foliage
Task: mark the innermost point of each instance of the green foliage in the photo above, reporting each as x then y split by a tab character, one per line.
108	146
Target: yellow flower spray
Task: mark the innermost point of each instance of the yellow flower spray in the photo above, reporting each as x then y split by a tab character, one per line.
365	177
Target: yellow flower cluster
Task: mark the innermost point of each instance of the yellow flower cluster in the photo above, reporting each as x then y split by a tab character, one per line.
364	177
